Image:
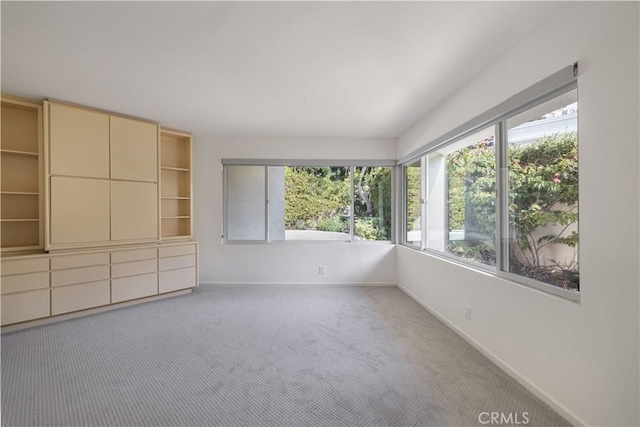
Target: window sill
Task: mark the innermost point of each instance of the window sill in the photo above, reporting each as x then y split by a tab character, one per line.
510	278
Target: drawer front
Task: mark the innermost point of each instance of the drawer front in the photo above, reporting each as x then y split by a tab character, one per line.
128	288
19	266
174	280
135	255
169	251
79	275
80	297
73	261
25	282
176	262
133	268
25	306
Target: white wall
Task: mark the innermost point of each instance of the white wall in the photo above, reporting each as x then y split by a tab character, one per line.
282	262
583	357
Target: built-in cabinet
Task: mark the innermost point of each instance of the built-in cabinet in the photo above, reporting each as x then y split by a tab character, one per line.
21	158
45	285
99	192
102	176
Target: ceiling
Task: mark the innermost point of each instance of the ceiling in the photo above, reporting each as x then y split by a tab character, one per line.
290	69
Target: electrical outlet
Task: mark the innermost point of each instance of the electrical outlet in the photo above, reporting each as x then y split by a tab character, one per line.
321	269
467	312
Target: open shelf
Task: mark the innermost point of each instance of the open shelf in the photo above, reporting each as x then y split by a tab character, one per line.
21	175
19	153
20	234
19	193
175	149
169	168
176	228
20	127
175	184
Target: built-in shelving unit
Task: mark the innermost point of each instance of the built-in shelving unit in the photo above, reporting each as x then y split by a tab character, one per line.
21	178
175	185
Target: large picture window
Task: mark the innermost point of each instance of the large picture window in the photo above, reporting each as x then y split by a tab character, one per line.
307	202
542	161
461	198
521	223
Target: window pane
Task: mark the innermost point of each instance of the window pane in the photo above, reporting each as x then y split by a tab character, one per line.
317	203
461	206
543	192
413	208
245	202
276	203
372	203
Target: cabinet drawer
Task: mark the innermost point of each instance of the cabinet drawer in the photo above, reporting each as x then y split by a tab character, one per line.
86	260
25	282
176	250
133	268
18	266
79	275
79	297
176	262
25	306
128	288
135	255
174	280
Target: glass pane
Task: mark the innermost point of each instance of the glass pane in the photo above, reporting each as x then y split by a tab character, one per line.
276	203
413	209
372	203
461	207
245	202
317	203
543	192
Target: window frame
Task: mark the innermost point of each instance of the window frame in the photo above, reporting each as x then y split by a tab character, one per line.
266	163
562	82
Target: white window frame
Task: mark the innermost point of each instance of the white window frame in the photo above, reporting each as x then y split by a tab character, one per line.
351	164
555	85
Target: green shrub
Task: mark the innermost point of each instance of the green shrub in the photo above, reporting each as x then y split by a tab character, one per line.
335	224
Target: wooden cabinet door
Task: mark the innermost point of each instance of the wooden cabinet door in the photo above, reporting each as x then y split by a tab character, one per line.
79	210
134	210
78	142
134	150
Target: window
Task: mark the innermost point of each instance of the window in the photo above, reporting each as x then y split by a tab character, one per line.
371	191
461	198
522	223
413	203
542	198
245	202
307	202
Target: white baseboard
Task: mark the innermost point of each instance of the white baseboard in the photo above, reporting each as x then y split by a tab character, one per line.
346	284
564	412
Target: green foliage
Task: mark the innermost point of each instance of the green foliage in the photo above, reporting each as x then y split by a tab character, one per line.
471	201
372	202
543	192
369	229
475	251
335	224
320	199
413	195
314	195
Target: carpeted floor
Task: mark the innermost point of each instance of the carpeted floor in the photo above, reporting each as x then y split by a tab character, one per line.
257	356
